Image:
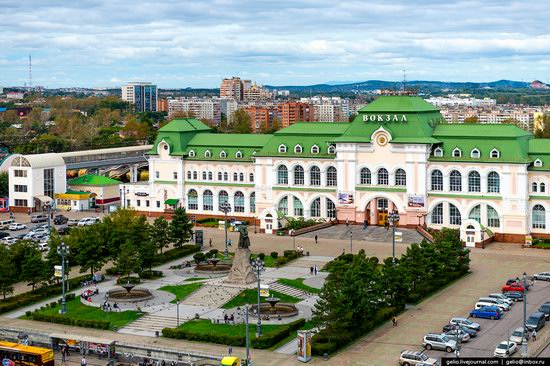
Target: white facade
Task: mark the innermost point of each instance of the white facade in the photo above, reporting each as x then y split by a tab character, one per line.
202	108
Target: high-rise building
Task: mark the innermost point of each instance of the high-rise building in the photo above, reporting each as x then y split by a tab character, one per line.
261	117
326	109
201	108
1	90
143	95
292	112
228	107
162	105
232	88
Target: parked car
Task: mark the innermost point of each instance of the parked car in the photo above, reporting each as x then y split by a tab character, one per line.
513	287
452	327
4	234
519	336
544	276
502	297
536	321
505	349
19	236
73	222
63	230
514	295
43	247
465	322
501	306
439	341
512	281
458	333
88	221
5	224
39	230
9	240
545	308
414	358
15	226
487	312
60	220
39	218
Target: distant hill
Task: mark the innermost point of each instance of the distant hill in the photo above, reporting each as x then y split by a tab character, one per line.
420	84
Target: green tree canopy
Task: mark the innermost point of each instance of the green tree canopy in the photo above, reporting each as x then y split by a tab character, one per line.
181	228
160	234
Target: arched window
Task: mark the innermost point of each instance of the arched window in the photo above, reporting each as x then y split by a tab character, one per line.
437	180
331	209
192	153
203	175
207	154
332	177
192	200
315	209
474	182
492	217
438	152
298	207
475	154
454	215
207	200
282	149
495	154
223	154
298	149
475	213
241	177
238	155
226	176
298	175
189	175
400	177
493	182
542	188
437	214
315	149
251	177
538	163
235	177
365	176
195	175
220	176
239	201
457	153
253	202
282	175
383	178
314	176
223	198
534	187
210	176
332	149
455	181
539	217
283	205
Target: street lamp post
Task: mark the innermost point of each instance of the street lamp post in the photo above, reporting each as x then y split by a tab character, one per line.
259	267
525	349
178	313
245	315
393	217
350	242
225	207
291	232
63	251
49	208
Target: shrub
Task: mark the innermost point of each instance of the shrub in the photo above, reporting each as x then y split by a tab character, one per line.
291	254
67	320
261	256
147	275
28	313
53	303
174	254
212	253
282	261
113	271
69	297
199	257
274	255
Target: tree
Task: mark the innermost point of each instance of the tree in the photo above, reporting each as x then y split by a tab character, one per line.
181	228
241	121
4	184
472	119
128	259
7	275
90	247
33	269
159	233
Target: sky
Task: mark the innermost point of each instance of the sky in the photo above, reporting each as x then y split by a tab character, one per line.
181	43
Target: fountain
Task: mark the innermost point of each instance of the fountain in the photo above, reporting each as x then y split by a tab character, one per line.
129	293
274	308
213	267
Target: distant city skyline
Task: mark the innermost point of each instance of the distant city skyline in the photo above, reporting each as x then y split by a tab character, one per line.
196	44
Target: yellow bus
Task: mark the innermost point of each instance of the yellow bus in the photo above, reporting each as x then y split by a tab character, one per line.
26	355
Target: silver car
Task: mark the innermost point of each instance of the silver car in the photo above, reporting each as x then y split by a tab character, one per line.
439	341
458	333
519	336
414	358
544	276
465	322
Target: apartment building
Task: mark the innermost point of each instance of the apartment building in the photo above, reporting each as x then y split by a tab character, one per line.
232	88
143	95
201	108
261	117
292	112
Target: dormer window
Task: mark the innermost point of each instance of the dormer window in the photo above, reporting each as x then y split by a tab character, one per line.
165	147
239	155
207	154
223	154
298	149
495	154
315	149
457	153
282	149
475	154
332	149
538	163
438	152
192	153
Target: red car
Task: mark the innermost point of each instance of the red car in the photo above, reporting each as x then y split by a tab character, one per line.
513	287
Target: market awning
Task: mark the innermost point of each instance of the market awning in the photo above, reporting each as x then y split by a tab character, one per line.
172	201
44	199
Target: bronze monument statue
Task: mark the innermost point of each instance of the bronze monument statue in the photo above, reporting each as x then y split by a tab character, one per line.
244	240
241	271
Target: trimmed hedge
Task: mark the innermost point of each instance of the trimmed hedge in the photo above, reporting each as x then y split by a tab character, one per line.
174	254
27	298
63	319
148	275
265	341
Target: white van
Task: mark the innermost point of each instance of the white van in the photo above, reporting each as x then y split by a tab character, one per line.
481	304
6	224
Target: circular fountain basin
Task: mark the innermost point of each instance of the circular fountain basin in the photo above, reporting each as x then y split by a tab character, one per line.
135	294
280	309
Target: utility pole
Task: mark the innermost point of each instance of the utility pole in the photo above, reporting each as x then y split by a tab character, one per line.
393	217
525	312
225	207
258	266
63	251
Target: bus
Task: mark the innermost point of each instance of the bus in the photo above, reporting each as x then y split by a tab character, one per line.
26	355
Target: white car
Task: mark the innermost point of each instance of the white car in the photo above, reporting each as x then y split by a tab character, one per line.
15	226
502	306
544	276
501	297
88	221
43	247
73	222
9	240
506	349
458	333
519	336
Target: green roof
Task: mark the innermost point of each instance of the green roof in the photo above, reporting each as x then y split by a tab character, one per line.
492	130
178	133
76	192
398	104
215	143
172	201
184	125
539	149
93	180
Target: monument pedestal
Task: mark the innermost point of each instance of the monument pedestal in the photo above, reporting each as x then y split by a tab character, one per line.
241	272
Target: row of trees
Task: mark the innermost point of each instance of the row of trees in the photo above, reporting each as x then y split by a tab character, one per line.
359	292
128	240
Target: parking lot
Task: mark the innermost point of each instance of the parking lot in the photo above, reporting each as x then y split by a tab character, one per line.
495	331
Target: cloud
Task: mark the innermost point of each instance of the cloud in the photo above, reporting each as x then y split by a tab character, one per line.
195	43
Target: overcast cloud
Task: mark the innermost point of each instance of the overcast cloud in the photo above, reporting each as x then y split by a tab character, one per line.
196	43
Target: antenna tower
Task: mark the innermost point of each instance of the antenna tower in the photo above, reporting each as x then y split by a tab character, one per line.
30	71
404	81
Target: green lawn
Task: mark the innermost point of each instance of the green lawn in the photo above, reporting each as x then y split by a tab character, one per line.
77	310
251	297
307	326
299	284
181	291
203	326
541	245
195	279
269	261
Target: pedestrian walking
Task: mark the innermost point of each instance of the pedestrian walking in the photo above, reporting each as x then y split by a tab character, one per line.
311	270
83	362
315	270
315	238
365	225
230	350
347	222
534	335
210	242
63	355
394	321
228	242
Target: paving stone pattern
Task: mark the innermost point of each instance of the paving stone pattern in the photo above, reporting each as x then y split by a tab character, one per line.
288	290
